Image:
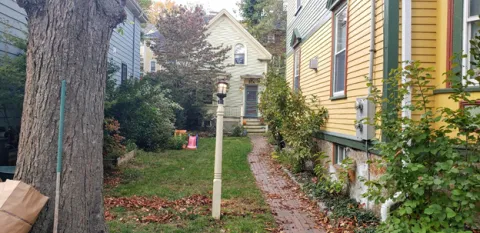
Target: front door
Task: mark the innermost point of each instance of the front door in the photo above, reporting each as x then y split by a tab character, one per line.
251	102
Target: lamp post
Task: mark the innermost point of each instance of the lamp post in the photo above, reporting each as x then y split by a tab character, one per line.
217	176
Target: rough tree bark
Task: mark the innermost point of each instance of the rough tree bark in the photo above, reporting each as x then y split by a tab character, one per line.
69	40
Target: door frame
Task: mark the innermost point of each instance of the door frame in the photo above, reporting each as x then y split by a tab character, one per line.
245	102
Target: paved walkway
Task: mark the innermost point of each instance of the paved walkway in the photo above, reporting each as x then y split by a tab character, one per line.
293	211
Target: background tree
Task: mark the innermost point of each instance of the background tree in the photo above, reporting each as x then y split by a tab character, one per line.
266	20
67	40
158	7
145	4
12	79
189	62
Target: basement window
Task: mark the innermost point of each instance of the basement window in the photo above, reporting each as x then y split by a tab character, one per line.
340	154
474	109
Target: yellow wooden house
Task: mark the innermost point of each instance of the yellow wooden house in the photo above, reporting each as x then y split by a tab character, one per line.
334	45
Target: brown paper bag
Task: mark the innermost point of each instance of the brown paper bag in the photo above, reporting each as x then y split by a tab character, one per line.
20	205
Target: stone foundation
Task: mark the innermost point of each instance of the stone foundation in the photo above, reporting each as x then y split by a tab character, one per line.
356	187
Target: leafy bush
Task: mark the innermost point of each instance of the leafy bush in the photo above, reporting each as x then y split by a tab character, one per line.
238	131
177	142
291	117
112	143
432	171
144	111
130	145
273	103
341	205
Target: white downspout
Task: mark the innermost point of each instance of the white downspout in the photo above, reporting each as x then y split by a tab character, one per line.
406	56
406	51
372	45
465	42
370	73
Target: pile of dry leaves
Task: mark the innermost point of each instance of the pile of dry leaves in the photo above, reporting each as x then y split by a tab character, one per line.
156	209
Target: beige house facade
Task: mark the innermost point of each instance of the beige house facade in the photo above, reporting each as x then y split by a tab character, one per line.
248	62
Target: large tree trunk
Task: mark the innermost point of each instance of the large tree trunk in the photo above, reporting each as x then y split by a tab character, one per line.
69	40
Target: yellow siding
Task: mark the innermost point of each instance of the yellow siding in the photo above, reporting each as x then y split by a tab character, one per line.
441	37
289	70
148	56
342	112
424	38
442	100
429	45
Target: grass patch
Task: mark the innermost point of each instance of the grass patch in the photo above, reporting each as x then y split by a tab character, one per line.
174	176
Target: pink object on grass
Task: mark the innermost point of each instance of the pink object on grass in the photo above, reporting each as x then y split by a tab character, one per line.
192	142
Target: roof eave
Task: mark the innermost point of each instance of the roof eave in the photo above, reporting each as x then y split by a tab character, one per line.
137	11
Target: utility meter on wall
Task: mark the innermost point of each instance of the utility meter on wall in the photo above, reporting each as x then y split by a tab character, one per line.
365	113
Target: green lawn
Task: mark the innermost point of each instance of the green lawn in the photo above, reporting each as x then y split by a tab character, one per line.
173	175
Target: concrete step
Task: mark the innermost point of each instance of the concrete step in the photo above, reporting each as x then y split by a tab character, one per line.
260	134
254	127
250	131
253	123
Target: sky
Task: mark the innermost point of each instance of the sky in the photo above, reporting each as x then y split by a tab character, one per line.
214	5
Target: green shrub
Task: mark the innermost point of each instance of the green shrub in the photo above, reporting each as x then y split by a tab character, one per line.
292	118
145	112
238	131
432	172
130	145
177	142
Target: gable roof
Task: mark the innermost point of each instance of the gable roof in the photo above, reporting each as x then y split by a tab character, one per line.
267	55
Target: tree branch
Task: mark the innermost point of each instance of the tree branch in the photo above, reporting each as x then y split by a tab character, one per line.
31	5
113	10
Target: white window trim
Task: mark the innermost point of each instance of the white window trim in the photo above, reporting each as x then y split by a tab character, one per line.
297	7
467	33
246	55
338	93
154	66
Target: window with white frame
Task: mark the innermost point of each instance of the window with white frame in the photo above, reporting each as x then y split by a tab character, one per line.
340	45
153	66
240	54
296	69
271	38
340	154
471	28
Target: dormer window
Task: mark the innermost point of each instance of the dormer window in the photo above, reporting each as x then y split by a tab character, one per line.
240	54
